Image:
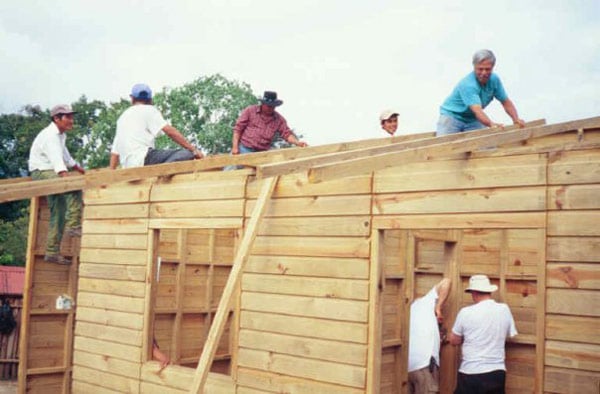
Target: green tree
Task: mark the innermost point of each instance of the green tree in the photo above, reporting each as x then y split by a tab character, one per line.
13	239
205	110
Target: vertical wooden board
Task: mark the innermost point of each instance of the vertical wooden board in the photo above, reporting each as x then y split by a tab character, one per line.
524	255
574	167
195	282
481	251
424	282
569	381
46	341
520	368
573	302
429	255
393	310
45	384
168	248
573	328
393	257
166	288
193	334
197	247
220	276
525	320
224	246
574	276
163	331
583	356
389	371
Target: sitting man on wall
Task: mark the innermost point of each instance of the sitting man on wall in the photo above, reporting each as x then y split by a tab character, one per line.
137	129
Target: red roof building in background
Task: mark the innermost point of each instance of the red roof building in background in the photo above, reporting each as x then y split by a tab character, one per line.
12	280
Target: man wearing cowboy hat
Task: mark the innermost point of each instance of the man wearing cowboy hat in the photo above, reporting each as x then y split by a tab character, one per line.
482	330
49	158
256	126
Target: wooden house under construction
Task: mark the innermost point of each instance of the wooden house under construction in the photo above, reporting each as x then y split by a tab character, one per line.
295	274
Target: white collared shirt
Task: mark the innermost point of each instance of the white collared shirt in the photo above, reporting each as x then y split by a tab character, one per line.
49	151
424	340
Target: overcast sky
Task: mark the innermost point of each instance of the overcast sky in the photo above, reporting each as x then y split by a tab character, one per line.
336	64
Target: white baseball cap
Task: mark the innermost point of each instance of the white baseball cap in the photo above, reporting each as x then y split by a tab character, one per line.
388	113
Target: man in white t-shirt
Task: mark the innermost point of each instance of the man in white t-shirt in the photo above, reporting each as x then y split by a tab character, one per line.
424	340
138	127
482	330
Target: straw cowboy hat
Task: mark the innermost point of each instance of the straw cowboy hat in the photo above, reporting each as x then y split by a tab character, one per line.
480	283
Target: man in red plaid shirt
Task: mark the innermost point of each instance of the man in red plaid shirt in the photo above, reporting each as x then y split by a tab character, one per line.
256	127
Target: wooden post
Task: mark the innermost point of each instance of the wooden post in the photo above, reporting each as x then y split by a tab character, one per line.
216	329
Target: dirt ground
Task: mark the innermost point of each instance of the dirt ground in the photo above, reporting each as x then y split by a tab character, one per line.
8	386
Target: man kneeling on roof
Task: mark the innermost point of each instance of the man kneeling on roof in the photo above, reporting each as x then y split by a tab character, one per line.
137	129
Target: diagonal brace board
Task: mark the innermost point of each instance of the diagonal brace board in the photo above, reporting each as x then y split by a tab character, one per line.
365	164
303	164
217	327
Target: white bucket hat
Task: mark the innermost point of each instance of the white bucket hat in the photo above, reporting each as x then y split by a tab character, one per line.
480	283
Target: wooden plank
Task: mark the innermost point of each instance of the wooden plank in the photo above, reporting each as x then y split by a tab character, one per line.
352	247
115	211
197	209
180	378
462	220
150	388
276	383
297	185
114	241
108	271
376	286
105	380
105	332
327	350
573	276
108	348
34	207
206	223
438	148
574	223
110	318
577	167
114	256
116	226
574	197
189	187
216	329
83	387
304	326
118	193
322	371
573	355
299	165
573	249
573	328
107	364
306	286
325	308
317	206
525	170
573	302
111	302
23	190
352	226
328	267
569	381
479	200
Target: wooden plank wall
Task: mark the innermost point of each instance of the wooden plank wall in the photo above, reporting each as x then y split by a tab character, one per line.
573	273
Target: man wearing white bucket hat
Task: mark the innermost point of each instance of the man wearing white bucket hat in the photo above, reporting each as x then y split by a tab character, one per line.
482	330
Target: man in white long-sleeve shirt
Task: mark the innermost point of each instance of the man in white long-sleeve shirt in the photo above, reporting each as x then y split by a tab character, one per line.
49	158
482	329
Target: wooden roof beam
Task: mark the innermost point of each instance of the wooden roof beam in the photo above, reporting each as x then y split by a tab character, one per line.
303	164
365	165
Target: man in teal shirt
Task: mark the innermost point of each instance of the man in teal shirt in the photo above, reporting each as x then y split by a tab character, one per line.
463	109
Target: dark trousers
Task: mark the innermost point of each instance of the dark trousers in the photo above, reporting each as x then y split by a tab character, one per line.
158	156
481	383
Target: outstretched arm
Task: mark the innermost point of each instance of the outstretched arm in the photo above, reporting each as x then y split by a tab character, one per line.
482	117
443	289
176	136
511	110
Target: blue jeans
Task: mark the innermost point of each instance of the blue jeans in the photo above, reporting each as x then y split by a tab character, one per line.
158	156
449	125
243	149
